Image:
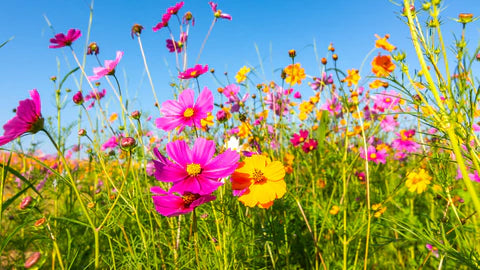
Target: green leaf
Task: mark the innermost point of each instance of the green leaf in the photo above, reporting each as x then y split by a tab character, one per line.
3	44
66	76
322	130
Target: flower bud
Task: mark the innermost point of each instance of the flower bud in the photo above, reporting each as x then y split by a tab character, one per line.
82	132
136	30
93	49
136	115
128	143
283	75
40	222
78	98
32	260
292	53
212	70
53	78
465	18
26	202
324	60
254	96
335	57
331	48
97	84
478	57
220	90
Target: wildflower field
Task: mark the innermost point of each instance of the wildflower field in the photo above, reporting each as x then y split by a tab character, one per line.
372	166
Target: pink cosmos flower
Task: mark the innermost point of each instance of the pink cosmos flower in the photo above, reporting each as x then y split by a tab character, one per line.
107	69
195	170
278	100
27	120
374	155
333	106
386	100
299	138
174	10
95	95
297	95
432	249
110	143
60	40
194	72
173	46
320	83
405	141
170	205
231	92
388	123
185	112
218	13
164	23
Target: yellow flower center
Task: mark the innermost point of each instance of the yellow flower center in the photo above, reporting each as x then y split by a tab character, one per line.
188	112
194	169
301	139
193	73
388	100
373	155
258	176
188	198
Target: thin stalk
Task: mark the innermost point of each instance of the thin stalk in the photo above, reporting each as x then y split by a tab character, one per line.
147	70
205	40
79	197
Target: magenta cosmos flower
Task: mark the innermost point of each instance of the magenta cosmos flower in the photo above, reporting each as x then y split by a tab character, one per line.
218	13
174	10
171	205
195	170
185	112
27	120
379	156
107	69
177	46
194	72
164	23
60	40
299	138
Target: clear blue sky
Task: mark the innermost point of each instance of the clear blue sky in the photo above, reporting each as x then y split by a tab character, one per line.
274	25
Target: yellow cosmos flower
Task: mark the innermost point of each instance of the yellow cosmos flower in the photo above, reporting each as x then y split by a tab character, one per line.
295	74
383	43
113	117
382	65
207	121
242	74
352	78
418	181
261	179
244	130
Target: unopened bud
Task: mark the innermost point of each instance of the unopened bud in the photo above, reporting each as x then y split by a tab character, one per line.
53	78
465	18
292	53
254	96
220	90
40	222
97	84
32	260
136	115
283	75
82	132
212	70
78	98
324	60
335	57
26	202
128	143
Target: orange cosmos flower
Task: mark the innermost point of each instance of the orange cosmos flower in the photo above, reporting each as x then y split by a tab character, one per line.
382	65
383	43
261	180
295	74
352	78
